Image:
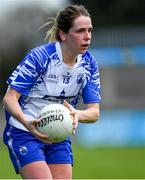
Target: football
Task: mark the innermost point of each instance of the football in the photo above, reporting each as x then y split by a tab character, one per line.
55	122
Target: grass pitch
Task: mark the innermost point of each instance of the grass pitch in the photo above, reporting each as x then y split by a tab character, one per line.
90	163
109	163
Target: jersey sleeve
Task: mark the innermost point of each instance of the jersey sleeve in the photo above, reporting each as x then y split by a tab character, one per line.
91	91
24	76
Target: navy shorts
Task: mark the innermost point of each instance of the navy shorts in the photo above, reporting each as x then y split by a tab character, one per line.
24	148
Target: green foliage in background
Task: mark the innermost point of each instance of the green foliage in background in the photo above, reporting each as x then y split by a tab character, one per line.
90	163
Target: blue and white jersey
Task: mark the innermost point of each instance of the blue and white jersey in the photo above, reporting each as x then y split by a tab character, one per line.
43	78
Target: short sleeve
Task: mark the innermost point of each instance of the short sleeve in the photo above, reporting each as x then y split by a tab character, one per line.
91	91
24	76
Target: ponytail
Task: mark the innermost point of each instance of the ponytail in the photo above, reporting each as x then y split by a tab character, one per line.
51	33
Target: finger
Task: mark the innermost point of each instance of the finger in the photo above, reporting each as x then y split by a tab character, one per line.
73	113
66	104
73	129
41	136
75	121
74	132
46	140
35	122
75	124
75	118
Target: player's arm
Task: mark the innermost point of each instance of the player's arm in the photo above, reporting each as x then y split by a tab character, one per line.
90	114
11	104
91	95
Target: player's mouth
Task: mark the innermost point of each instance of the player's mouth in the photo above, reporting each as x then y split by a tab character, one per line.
84	46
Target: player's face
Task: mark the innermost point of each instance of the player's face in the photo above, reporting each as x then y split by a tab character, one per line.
79	36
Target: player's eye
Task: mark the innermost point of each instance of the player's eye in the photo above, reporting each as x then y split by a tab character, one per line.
80	30
90	30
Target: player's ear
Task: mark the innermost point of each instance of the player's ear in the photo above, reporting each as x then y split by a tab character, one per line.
62	35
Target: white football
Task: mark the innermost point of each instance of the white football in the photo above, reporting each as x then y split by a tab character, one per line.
56	122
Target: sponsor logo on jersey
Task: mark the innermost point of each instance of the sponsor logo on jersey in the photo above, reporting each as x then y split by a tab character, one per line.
53	78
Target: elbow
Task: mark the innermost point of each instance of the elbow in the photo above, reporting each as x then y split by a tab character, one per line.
95	118
4	101
95	114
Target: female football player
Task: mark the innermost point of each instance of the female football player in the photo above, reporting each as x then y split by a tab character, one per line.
60	71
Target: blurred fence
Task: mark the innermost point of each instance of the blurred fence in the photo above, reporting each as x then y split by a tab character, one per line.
119	36
117	128
122	72
119	56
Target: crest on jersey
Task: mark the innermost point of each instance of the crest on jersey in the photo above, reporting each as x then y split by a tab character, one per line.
79	78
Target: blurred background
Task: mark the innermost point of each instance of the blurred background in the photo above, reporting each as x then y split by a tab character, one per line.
114	147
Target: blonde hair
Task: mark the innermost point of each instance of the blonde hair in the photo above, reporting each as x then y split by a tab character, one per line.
51	33
63	21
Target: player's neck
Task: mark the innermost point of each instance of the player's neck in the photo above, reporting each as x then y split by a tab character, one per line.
68	57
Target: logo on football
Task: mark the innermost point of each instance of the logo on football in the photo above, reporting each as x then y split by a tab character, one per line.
56	122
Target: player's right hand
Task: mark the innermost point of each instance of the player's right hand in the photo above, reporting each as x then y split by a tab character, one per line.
31	126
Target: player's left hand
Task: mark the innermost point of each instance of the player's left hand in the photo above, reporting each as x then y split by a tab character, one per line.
73	113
